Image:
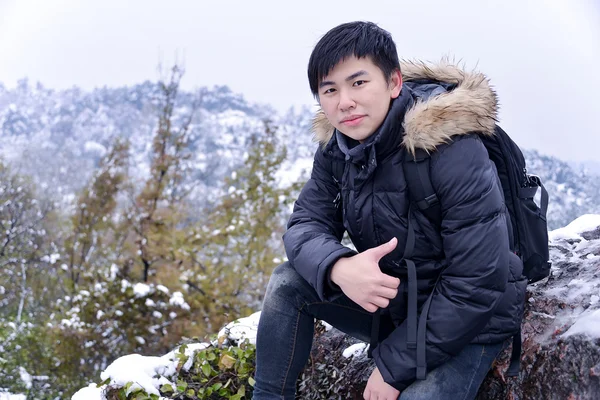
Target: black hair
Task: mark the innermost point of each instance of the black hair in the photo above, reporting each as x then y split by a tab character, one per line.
359	39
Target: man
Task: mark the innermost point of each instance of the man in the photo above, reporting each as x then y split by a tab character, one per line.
462	278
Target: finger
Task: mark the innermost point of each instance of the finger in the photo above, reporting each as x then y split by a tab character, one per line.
381	250
370	307
388	293
380	301
367	394
390	281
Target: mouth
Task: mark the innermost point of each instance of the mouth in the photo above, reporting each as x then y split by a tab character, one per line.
352	120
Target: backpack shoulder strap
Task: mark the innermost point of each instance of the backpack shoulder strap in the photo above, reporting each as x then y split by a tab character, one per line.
420	189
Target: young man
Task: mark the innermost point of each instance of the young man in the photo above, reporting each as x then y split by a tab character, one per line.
436	303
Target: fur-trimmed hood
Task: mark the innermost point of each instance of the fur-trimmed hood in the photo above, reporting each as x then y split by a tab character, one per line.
471	106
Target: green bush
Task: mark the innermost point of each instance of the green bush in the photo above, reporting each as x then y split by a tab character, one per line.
217	372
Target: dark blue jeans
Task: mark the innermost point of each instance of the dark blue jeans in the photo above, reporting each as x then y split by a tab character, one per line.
285	335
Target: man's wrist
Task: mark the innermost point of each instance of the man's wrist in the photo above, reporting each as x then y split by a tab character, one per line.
330	283
334	272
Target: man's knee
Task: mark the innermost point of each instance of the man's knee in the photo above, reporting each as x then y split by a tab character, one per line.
286	283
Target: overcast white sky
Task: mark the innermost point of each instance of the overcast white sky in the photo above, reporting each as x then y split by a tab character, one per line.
540	54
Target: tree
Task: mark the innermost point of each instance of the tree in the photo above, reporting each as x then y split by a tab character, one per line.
240	243
21	242
93	223
157	210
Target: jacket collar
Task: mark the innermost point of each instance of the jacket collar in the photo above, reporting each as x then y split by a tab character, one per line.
384	140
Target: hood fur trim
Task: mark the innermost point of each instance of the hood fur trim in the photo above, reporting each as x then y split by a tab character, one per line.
471	107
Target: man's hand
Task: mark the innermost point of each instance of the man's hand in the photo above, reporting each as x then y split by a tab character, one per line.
377	389
361	279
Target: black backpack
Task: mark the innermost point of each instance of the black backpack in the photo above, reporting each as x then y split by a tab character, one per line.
529	236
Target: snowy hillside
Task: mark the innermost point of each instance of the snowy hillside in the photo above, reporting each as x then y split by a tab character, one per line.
59	136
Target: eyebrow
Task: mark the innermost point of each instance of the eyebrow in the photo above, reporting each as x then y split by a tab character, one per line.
350	78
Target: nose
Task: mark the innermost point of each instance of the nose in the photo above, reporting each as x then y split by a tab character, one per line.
346	101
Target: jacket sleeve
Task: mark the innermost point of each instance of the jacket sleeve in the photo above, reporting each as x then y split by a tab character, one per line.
315	229
475	243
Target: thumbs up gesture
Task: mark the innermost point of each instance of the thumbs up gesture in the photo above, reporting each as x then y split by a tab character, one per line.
361	279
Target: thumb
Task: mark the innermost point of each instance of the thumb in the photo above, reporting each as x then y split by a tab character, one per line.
386	248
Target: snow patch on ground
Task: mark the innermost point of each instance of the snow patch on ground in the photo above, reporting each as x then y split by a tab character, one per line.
355	350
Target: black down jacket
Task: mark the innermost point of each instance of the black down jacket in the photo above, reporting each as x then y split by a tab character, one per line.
479	295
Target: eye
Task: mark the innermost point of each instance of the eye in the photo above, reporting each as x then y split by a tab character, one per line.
359	83
328	91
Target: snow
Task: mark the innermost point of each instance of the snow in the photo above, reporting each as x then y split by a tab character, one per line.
141	289
585	223
570	248
232	119
145	372
190	350
292	172
94	147
141	370
243	328
162	289
587	324
327	326
91	392
114	270
355	350
25	378
177	300
51	259
10	396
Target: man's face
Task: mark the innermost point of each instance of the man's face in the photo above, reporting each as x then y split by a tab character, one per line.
355	96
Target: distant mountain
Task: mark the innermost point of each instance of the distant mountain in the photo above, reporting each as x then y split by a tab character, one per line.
589	167
58	137
572	192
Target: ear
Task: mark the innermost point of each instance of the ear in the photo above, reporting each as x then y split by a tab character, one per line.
395	84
